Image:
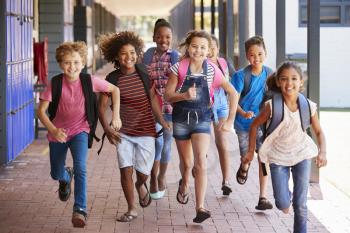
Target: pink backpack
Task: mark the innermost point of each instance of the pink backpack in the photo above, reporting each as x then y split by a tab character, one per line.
183	67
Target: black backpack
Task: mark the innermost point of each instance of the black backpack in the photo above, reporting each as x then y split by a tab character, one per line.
90	102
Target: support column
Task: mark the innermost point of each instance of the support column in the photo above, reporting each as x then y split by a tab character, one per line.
213	10
313	63
229	29
243	33
280	31
222	27
258	18
202	14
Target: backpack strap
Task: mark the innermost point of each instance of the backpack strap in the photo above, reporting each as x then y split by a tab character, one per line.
277	113
223	65
56	91
90	106
304	111
148	55
248	77
174	57
182	71
141	69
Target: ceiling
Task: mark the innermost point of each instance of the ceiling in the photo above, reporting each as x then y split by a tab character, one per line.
139	7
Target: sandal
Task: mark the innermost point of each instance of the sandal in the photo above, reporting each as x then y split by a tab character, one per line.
242	175
226	189
126	217
264	204
184	196
202	214
142	201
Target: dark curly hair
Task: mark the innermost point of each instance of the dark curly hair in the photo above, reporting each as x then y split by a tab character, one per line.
110	45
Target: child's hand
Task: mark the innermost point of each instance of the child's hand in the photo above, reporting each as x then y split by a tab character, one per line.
248	115
60	135
191	92
165	124
226	126
116	124
321	160
113	136
247	158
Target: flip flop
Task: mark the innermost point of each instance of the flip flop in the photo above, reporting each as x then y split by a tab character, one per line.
202	214
242	175
184	196
126	217
142	200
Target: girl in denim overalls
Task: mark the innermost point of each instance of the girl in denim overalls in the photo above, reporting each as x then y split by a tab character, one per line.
191	97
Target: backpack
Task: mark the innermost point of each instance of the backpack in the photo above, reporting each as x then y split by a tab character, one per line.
148	55
90	102
248	78
113	78
277	114
182	71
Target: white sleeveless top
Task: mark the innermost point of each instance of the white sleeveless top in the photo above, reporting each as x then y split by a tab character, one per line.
288	144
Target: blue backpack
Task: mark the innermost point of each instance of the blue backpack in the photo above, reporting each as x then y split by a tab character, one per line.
148	55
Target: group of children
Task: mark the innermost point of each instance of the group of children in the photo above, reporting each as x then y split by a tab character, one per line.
169	95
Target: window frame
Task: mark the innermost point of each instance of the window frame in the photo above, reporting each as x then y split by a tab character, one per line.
343	4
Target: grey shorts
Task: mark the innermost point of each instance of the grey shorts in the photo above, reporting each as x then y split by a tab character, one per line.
137	152
243	141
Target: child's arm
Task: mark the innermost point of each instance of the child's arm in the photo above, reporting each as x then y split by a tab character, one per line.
58	133
116	122
259	120
321	159
112	135
156	108
247	115
170	91
233	101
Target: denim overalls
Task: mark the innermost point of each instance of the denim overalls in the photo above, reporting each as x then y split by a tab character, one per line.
193	116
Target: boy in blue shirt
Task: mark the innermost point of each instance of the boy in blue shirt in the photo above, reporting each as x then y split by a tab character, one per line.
250	84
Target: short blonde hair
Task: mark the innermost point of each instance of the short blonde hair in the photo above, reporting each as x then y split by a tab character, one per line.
70	47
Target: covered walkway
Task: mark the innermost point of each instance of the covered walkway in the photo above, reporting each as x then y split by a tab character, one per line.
29	199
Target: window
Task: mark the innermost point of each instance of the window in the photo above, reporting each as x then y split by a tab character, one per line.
332	13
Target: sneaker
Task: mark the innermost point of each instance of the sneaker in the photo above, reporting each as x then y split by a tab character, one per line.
264	204
79	218
64	189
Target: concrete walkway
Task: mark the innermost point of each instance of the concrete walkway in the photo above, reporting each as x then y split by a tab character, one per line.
29	199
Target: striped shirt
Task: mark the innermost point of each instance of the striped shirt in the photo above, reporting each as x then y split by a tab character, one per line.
135	109
210	73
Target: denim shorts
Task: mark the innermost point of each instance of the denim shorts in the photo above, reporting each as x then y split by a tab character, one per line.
184	130
243	141
137	152
220	106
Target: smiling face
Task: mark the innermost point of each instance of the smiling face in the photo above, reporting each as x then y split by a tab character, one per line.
71	65
163	38
127	58
198	49
290	82
256	56
214	49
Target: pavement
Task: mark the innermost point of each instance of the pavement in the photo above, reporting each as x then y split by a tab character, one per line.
29	198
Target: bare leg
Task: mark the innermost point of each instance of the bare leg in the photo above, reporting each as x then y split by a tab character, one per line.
200	144
140	187
128	188
184	148
154	177
161	176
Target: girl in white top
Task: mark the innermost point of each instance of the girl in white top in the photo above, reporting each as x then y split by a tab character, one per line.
288	148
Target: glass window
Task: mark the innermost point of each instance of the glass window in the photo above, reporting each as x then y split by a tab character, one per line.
303	15
330	15
347	15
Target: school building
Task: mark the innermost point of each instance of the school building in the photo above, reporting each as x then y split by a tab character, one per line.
50	22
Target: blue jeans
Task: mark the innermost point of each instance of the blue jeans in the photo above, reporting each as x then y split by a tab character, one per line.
163	143
283	196
78	146
220	107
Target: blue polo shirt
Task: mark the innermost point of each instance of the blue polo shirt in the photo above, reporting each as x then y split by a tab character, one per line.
252	100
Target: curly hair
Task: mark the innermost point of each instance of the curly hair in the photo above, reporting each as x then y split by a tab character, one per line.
70	47
110	45
192	34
